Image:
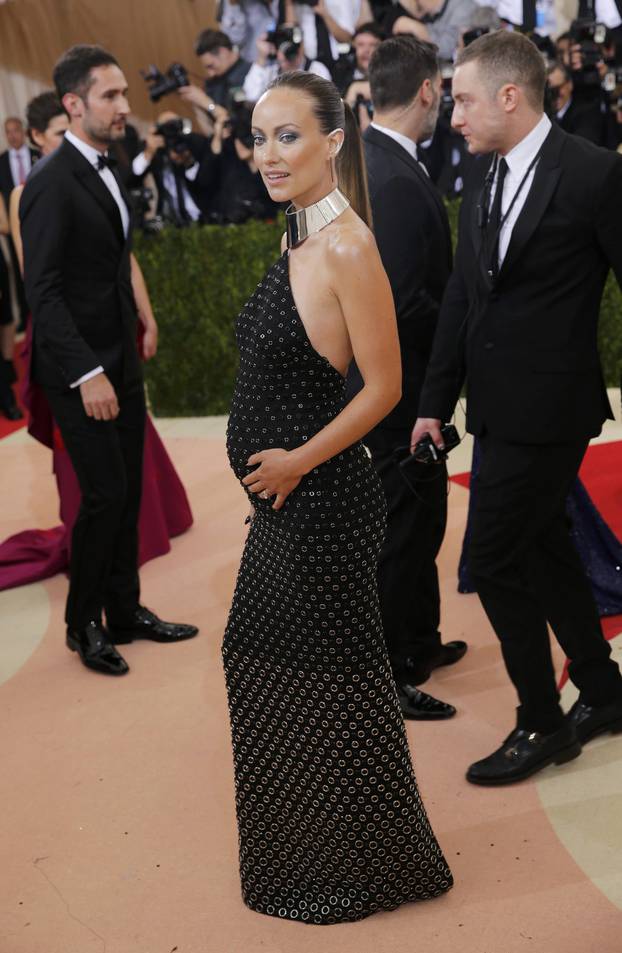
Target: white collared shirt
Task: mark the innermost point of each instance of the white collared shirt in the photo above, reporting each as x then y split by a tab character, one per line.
113	187
106	175
409	144
25	156
607	12
518	159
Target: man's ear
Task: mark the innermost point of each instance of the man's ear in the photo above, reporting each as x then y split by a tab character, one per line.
73	105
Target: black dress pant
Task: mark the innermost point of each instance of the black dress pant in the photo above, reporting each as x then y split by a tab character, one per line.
527	572
407	574
108	459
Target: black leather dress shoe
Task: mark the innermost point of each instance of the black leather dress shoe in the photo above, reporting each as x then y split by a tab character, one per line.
93	645
419	670
589	721
146	625
523	753
418	706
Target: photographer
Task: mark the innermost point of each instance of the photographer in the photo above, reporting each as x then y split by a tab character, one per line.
580	119
240	192
324	24
244	21
351	72
279	52
225	71
181	164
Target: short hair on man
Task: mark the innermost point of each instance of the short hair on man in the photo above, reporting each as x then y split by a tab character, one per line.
398	68
73	72
210	41
508	57
372	28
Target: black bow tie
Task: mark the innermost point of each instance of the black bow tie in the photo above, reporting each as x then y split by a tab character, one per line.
105	162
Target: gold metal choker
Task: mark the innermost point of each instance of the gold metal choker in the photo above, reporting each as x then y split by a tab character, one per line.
306	221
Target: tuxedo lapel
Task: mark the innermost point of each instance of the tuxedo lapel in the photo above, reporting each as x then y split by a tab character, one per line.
544	183
385	142
89	178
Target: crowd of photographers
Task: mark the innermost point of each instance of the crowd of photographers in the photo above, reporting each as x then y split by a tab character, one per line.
203	171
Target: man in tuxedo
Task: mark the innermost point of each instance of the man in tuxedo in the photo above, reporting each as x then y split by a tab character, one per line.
77	240
412	232
539	230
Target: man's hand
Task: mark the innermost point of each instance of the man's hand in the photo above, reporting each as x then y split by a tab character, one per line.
153	142
150	341
99	398
195	95
423	427
265	50
360	87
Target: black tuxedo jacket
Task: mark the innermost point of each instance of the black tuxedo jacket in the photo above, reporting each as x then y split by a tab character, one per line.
414	240
76	273
584	119
527	341
6	178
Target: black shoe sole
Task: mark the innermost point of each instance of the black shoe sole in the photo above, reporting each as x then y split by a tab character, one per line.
424	716
613	728
120	639
74	646
560	757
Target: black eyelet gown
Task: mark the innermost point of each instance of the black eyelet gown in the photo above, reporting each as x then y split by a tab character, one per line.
331	824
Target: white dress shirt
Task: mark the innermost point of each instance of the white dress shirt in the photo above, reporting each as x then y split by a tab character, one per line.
92	154
409	144
518	159
26	162
607	12
344	12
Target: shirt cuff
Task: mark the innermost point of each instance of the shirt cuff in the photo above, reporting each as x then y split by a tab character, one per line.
140	164
87	377
192	172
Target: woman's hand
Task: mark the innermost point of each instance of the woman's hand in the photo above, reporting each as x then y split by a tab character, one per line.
277	475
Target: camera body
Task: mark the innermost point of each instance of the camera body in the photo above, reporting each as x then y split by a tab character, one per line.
426	450
286	39
160	84
176	133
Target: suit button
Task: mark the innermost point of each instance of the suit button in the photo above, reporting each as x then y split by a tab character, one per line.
488	346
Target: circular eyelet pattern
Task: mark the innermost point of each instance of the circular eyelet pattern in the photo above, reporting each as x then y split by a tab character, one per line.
331	824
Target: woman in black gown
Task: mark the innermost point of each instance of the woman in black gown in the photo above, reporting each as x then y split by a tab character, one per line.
331	824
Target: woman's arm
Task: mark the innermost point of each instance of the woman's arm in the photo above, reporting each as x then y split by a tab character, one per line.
145	311
4	219
16	232
362	289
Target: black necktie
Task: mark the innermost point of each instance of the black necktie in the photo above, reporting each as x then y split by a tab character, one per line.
494	220
105	162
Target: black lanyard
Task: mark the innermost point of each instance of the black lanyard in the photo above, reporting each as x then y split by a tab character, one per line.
490	178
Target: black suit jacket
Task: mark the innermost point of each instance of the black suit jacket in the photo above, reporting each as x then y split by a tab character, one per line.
584	119
527	341
76	273
6	178
414	240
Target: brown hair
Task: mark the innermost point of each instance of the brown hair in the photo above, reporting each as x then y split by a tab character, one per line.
508	57
332	113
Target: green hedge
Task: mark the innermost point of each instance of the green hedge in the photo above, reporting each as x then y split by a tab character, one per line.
199	278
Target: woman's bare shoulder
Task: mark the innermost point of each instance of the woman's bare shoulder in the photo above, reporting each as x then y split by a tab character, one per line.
352	244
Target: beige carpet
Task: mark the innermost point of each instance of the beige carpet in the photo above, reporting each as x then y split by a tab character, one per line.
118	831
